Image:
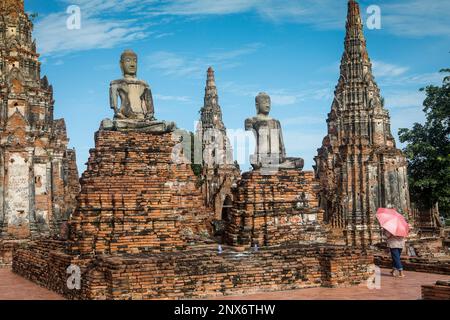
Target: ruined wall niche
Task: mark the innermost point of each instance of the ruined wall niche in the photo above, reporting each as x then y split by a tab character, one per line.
226	208
16	105
40	178
11	31
17	195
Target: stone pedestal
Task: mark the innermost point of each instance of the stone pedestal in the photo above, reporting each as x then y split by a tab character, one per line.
142	125
274	209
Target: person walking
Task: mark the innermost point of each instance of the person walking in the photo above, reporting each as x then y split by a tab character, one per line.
396	245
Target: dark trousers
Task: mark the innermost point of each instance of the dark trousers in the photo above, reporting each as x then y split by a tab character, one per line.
396	262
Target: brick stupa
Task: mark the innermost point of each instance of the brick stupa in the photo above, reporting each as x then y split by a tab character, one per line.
135	199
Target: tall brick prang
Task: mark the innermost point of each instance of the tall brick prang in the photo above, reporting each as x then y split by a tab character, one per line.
219	171
359	166
38	174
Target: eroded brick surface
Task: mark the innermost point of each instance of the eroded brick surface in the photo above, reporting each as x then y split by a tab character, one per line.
439	291
142	228
13	287
273	209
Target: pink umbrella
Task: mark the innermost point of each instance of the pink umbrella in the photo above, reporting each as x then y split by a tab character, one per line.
393	222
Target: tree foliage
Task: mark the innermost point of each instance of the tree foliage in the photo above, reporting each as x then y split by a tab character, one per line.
428	149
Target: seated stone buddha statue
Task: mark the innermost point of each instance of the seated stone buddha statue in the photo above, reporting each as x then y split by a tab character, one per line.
270	151
135	95
136	109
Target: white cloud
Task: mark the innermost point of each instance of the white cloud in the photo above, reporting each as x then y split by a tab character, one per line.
303	121
418	80
383	69
221	55
283	100
405	99
206	7
321	13
109	23
54	38
417	18
402	17
283	97
172	98
180	65
278	97
102	26
171	63
164	35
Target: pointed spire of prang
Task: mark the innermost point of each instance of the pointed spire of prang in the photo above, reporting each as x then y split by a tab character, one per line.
211	89
355	43
356	68
211	113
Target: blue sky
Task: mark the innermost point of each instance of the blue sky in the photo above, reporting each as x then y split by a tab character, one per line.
290	49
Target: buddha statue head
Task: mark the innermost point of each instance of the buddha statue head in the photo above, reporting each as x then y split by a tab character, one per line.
128	64
263	104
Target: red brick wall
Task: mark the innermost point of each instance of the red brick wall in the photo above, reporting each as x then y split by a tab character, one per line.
195	273
265	209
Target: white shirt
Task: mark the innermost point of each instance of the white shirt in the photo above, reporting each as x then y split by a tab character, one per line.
394	242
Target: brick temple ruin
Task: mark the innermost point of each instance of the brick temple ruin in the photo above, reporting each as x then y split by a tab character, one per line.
38	173
151	222
219	171
144	225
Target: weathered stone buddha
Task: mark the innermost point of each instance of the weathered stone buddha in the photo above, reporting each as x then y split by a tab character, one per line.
135	95
136	109
270	150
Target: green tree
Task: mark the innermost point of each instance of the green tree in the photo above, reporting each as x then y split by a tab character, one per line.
428	149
